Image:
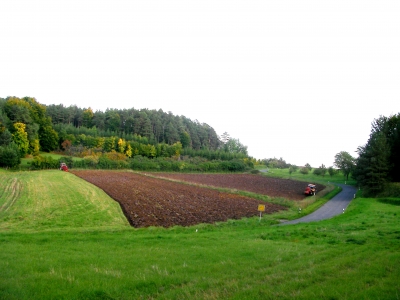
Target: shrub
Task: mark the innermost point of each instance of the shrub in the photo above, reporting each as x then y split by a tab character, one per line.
46	162
10	156
292	169
113	155
391	190
233	166
68	161
304	171
393	201
317	172
91	161
106	163
143	163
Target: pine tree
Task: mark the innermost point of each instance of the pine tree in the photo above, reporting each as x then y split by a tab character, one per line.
372	167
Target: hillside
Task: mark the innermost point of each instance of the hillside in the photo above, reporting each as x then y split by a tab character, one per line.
45	200
62	238
28	128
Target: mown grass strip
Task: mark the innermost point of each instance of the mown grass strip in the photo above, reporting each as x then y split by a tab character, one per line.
47	200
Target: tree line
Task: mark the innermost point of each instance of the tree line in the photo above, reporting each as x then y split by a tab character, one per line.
156	126
27	127
378	161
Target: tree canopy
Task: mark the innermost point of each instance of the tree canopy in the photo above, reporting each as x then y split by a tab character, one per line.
33	127
379	159
345	162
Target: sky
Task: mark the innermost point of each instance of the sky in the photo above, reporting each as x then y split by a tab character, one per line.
301	80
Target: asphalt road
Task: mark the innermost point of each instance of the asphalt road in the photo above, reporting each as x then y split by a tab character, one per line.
333	207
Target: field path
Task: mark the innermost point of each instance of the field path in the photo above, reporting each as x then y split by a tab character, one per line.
333	207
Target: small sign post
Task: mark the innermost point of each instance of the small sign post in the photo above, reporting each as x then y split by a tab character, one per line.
261	208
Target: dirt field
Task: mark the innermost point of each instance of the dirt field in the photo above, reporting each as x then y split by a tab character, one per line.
273	187
150	201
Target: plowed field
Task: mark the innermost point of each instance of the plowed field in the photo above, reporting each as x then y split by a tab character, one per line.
273	187
148	201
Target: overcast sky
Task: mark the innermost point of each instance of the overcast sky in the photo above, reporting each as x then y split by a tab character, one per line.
301	80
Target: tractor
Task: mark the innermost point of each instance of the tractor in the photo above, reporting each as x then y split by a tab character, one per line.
63	167
310	190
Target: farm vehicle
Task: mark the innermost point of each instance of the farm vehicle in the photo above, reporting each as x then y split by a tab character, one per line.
310	190
63	167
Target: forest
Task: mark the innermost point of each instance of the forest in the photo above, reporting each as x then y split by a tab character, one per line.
112	138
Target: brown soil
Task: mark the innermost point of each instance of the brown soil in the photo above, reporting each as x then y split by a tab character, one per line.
273	187
148	201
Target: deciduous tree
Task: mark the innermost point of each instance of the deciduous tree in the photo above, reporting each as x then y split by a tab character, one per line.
20	138
88	118
345	162
235	146
48	138
331	171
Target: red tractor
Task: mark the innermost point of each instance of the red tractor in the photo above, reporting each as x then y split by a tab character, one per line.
63	167
310	190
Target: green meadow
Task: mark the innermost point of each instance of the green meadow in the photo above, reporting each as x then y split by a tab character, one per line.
63	238
284	173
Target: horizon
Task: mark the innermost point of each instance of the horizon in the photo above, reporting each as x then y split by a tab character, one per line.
301	81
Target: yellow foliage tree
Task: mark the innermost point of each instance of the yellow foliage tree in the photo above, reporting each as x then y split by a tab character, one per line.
20	137
128	151
35	147
121	145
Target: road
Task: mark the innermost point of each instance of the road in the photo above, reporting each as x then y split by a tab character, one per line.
333	207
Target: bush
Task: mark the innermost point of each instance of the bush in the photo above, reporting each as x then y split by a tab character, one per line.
106	163
304	171
115	156
393	201
9	156
46	162
143	163
292	169
233	166
317	172
68	161
91	161
391	190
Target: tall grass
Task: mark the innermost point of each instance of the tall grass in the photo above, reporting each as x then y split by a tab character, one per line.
352	256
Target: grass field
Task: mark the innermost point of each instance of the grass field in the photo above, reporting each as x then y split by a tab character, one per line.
48	200
62	238
284	173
